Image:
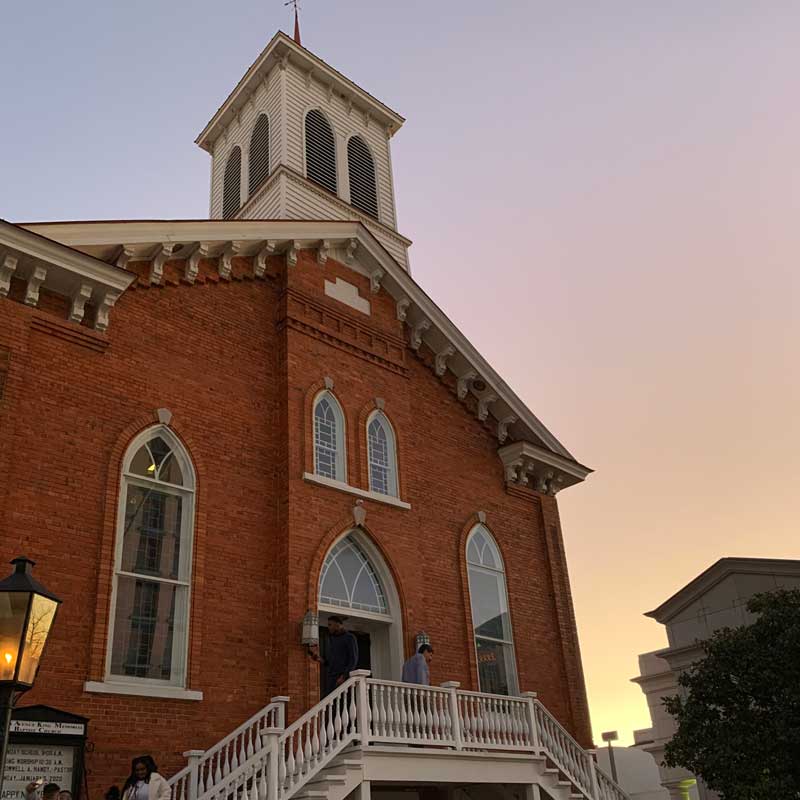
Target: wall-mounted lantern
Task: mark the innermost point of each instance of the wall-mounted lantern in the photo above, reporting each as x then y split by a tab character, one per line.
310	635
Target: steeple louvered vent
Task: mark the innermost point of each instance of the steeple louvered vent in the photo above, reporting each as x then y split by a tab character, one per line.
320	151
232	185
259	153
361	167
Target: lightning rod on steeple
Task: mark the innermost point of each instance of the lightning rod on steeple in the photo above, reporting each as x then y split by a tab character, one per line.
294	4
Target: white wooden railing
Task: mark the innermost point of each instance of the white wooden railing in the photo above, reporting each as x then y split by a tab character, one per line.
562	749
209	768
263	760
607	789
307	745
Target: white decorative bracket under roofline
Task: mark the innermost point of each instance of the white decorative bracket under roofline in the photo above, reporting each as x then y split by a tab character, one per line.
416	332
79	300
200	250
464	382
441	359
291	253
43	263
323	251
402	308
35	281
483	405
7	269
264	253
502	427
375	279
528	465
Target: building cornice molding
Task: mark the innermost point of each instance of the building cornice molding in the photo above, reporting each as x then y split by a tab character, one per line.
543	471
716	573
475	381
45	263
281	51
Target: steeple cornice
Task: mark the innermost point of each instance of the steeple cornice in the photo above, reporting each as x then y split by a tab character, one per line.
280	50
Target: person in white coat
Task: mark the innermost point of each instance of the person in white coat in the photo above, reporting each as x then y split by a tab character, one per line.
144	782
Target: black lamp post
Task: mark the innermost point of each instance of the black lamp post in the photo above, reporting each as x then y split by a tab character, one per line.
27	612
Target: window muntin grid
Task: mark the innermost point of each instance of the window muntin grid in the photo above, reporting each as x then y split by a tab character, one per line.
381	455
349	580
152	575
328	438
494	640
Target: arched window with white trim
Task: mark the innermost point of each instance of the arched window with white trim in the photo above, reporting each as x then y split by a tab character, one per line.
232	184
320	151
494	642
361	169
259	154
149	632
382	455
329	438
349	580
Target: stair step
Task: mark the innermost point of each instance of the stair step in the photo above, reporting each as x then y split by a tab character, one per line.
326	779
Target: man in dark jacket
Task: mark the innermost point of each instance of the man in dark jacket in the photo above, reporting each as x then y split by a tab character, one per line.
342	656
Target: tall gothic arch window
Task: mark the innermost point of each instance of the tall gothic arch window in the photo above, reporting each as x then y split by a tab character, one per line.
382	455
153	562
320	151
494	641
259	154
349	580
329	433
232	184
361	169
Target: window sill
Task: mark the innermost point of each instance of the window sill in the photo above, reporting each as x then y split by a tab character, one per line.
346	487
142	690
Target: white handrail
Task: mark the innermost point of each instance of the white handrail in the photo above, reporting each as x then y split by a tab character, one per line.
225	757
309	743
607	789
368	710
408	713
567	754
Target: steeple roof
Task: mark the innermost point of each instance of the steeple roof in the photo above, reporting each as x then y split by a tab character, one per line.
280	47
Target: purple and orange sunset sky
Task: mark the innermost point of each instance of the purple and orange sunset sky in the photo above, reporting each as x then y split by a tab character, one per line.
602	195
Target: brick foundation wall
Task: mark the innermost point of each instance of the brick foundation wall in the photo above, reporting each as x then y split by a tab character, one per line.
237	364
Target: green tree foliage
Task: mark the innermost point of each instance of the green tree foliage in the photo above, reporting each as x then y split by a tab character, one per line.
739	714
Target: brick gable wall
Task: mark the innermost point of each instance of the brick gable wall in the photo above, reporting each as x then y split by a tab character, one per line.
238	364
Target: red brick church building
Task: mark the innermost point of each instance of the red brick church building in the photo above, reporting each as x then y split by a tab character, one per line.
215	431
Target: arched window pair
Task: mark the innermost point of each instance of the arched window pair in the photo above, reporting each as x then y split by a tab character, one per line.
330	459
321	163
153	562
494	642
259	168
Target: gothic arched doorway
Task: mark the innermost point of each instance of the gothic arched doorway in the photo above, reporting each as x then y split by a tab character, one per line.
355	583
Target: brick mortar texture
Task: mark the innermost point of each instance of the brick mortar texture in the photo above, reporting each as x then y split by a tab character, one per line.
237	381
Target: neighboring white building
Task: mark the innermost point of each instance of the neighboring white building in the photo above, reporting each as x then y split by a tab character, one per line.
716	599
637	772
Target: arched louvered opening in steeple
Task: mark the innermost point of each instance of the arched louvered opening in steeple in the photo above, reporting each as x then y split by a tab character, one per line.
259	153
361	169
320	151
232	185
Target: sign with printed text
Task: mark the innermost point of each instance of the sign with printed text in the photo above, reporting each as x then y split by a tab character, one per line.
41	726
26	763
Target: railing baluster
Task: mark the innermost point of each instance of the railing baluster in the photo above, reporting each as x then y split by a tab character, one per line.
403	729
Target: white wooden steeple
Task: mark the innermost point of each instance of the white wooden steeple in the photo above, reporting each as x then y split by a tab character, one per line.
298	140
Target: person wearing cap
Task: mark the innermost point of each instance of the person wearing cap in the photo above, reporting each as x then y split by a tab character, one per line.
342	655
417	668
